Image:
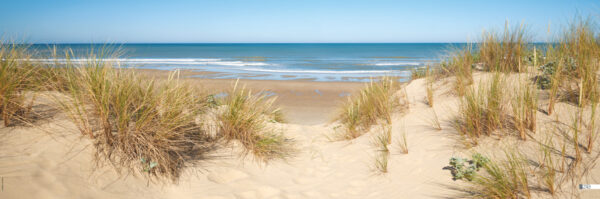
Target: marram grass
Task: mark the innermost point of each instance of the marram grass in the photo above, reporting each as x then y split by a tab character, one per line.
135	123
245	118
374	104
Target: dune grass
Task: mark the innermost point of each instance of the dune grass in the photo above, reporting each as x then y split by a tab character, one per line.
504	52
372	105
503	179
17	76
429	79
381	162
548	166
524	107
573	60
417	73
459	64
483	110
403	143
434	121
135	123
381	142
245	117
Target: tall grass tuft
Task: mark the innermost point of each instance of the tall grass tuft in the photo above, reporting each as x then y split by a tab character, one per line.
429	79
592	127
381	162
381	142
504	52
135	123
245	117
524	106
374	104
548	166
459	64
434	121
17	76
503	179
483	110
403	143
573	59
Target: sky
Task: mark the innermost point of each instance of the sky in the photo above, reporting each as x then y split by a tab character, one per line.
280	21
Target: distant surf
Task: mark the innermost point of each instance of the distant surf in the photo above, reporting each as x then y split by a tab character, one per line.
318	62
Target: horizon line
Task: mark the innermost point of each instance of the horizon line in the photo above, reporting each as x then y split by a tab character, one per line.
117	43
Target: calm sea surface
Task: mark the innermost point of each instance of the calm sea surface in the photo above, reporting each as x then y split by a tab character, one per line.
318	62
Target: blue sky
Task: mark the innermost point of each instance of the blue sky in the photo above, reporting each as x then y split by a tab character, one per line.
56	21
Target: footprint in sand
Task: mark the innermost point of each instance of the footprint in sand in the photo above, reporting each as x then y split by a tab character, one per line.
225	175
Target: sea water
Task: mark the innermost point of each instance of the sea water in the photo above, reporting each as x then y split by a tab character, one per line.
277	61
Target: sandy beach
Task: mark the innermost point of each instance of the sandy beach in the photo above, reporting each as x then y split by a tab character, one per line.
299	99
51	160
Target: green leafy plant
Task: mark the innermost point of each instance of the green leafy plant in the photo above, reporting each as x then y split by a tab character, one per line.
463	168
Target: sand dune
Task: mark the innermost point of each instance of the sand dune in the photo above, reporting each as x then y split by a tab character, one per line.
51	160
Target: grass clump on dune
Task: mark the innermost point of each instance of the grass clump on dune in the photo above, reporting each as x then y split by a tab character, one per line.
504	52
373	104
483	110
17	76
135	123
459	64
245	118
524	108
502	179
573	64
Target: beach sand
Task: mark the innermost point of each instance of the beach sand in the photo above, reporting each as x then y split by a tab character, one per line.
51	160
303	101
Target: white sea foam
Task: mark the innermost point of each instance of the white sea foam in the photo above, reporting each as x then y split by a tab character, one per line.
321	71
398	64
162	61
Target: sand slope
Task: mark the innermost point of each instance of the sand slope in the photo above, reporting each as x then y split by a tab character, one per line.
52	161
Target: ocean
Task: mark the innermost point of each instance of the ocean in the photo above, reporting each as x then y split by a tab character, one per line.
277	61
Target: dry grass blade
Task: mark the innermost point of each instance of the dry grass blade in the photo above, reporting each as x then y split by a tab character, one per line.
429	79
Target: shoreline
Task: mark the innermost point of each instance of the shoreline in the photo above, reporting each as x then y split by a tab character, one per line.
302	101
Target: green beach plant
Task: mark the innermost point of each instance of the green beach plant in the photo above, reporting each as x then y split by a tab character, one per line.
463	168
